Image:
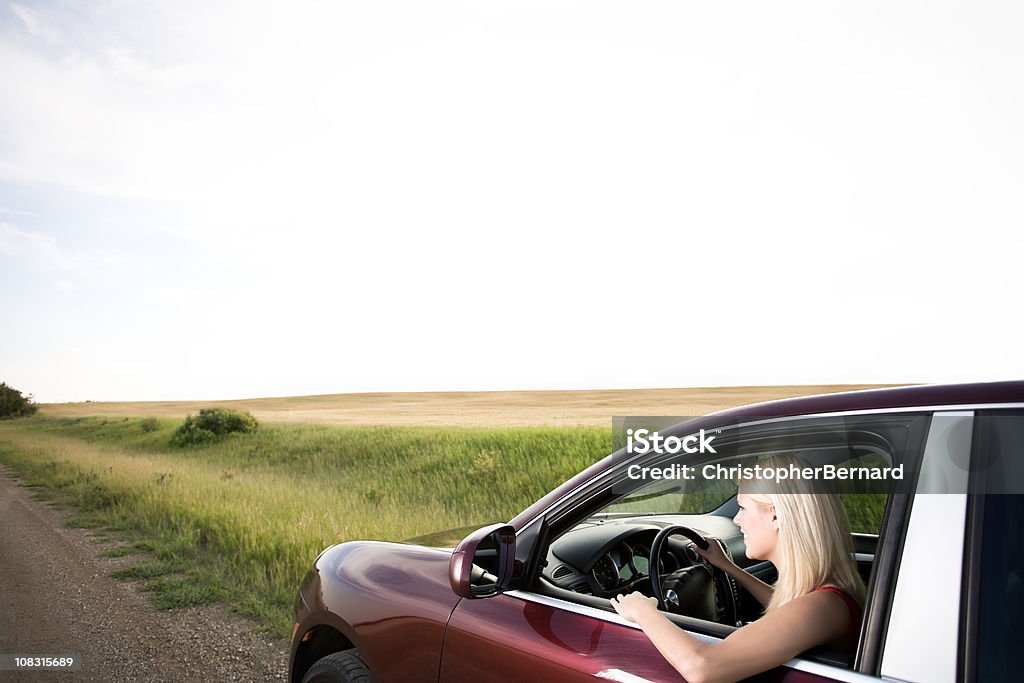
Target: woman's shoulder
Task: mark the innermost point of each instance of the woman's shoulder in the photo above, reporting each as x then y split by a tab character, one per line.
833	588
832	608
823	606
851	603
823	595
813	619
843	613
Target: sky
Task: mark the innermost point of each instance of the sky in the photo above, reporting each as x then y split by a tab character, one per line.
204	200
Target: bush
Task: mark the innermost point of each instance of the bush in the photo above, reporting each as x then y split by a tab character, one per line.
212	424
14	404
150	424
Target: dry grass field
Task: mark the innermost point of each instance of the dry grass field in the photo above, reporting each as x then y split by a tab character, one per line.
466	409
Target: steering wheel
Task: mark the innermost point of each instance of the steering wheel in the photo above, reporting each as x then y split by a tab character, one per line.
690	590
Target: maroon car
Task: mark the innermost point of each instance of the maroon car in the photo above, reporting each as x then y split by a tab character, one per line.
938	533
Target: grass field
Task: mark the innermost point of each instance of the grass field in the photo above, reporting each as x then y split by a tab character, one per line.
241	520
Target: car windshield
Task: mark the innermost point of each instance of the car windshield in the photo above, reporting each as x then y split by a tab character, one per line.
669	496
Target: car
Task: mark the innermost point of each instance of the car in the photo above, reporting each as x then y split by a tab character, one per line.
937	514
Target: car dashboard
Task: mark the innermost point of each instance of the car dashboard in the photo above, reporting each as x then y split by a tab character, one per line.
607	556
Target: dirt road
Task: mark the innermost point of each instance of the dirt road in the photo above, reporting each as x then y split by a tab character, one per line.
56	598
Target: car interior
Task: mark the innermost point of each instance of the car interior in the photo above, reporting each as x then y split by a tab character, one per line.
601	545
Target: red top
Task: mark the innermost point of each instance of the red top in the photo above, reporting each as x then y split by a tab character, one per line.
851	604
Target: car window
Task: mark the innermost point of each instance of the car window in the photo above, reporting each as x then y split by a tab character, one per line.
669	496
600	544
865	508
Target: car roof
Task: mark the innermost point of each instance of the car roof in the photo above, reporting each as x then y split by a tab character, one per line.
931	395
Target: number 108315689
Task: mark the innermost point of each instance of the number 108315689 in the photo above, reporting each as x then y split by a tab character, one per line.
22	662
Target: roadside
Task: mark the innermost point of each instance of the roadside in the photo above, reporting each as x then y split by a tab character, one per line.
56	597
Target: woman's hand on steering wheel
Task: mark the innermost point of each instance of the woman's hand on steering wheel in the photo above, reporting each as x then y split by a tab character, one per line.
714	555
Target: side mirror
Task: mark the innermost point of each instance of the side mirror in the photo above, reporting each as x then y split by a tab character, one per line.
482	563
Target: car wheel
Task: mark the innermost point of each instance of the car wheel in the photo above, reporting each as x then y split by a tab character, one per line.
346	666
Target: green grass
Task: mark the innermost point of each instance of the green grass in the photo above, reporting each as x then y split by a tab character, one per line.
125	550
173	593
146	570
242	519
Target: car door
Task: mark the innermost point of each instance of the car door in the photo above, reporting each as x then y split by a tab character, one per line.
519	636
528	637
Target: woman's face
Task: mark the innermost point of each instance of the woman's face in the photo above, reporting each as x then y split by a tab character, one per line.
760	530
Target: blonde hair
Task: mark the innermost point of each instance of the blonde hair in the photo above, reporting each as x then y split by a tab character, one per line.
815	545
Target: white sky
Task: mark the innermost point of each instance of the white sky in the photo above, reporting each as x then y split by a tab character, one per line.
218	200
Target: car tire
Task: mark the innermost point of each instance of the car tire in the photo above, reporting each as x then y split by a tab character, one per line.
346	666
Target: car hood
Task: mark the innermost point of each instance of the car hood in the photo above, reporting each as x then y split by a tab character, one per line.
447	539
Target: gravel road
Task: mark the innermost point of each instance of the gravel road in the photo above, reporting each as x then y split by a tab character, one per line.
56	597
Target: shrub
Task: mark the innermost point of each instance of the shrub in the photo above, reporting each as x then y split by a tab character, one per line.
485	463
150	424
212	424
14	404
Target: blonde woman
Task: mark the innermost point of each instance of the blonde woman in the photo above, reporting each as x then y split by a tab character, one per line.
816	600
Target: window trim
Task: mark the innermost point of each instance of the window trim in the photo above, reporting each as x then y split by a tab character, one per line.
970	595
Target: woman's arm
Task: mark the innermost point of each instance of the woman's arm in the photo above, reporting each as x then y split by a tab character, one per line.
808	621
686	654
761	591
